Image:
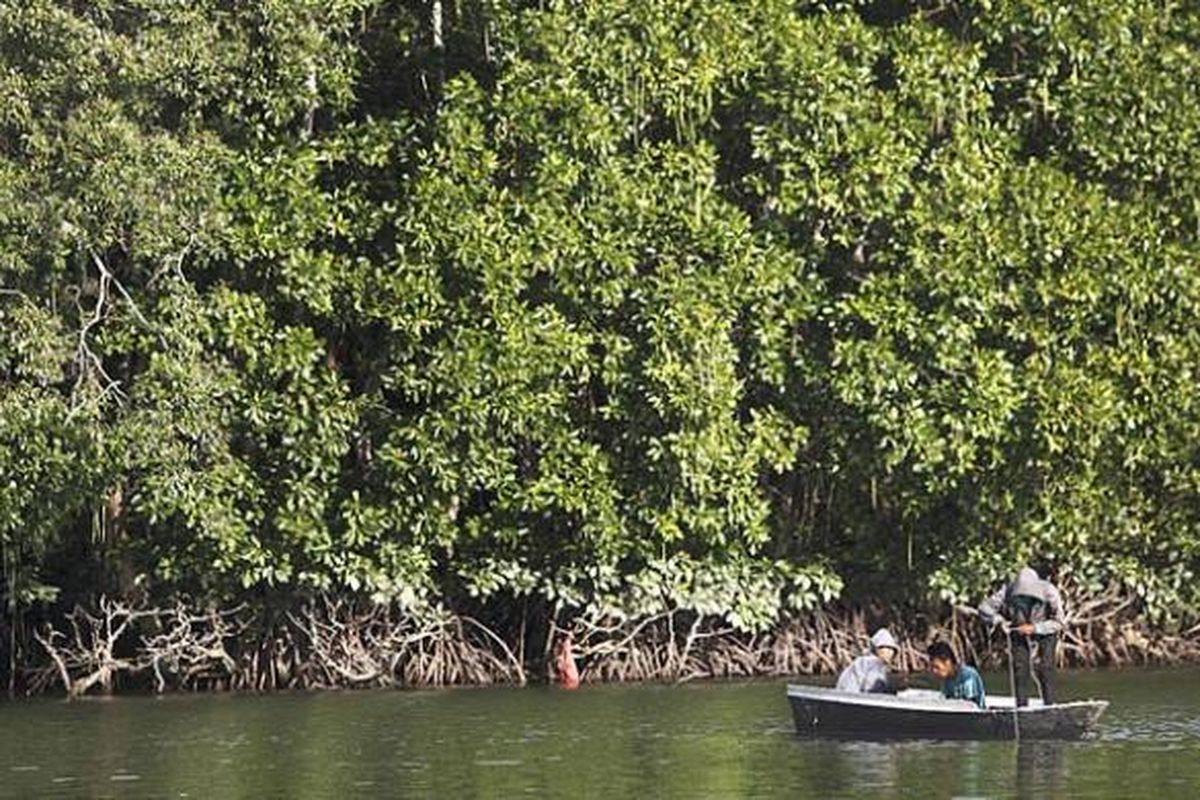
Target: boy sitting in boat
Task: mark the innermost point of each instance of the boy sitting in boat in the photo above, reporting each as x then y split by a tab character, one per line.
959	681
869	672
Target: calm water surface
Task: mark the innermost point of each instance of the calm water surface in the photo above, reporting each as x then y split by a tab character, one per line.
700	740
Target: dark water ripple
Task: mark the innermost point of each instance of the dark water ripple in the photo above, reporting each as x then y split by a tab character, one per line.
1162	726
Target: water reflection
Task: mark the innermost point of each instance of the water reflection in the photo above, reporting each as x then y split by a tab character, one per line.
717	740
833	767
1030	769
1041	769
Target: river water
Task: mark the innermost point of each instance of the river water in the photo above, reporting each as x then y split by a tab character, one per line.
693	741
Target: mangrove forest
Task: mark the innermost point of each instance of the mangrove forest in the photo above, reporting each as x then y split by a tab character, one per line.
385	342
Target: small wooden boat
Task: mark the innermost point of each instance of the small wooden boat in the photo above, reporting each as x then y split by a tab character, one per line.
924	714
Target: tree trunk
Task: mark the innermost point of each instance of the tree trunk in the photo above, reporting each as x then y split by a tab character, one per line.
437	22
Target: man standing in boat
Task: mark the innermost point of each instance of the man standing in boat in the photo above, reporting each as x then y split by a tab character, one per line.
1030	610
869	672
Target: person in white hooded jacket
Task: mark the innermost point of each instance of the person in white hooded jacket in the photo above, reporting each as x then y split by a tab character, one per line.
869	672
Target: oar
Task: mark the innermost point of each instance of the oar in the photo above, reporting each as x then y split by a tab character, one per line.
1012	669
1012	682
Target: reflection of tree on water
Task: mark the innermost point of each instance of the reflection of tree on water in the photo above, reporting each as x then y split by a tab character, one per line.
857	768
1030	769
1040	768
840	766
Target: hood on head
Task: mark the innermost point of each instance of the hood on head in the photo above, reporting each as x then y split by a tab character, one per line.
1028	584
883	638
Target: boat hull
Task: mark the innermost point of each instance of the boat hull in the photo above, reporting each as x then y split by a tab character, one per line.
825	712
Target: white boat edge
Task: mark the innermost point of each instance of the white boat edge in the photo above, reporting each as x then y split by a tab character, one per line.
923	700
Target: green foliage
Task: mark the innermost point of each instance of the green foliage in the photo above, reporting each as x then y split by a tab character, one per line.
616	305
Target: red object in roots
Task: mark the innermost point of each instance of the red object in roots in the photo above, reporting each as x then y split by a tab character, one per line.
564	666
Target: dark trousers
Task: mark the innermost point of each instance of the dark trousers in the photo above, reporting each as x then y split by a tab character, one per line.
1022	654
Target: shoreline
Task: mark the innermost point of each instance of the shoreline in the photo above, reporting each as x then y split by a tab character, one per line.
232	694
338	645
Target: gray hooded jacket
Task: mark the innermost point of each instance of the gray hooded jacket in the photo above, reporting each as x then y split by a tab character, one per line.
868	672
1047	614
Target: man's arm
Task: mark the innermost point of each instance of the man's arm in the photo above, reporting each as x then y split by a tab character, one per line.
990	609
851	679
1056	618
876	677
980	694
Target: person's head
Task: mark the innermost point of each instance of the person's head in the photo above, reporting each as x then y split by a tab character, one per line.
1045	565
883	644
943	663
1028	584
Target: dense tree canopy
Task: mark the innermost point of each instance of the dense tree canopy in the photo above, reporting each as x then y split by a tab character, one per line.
728	306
